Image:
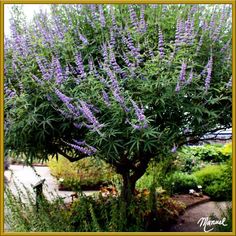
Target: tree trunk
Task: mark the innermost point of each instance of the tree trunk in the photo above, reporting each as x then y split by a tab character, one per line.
128	187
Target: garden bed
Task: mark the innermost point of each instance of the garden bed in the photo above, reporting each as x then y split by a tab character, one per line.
85	187
190	200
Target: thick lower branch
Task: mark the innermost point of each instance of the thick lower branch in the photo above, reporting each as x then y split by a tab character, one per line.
70	158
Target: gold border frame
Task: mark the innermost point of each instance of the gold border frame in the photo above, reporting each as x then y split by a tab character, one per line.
2	2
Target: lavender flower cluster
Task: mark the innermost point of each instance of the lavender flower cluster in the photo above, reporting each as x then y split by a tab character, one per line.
182	77
139	112
161	44
209	72
111	69
80	66
82	147
89	116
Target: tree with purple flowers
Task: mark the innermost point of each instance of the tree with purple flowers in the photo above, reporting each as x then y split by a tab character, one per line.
126	84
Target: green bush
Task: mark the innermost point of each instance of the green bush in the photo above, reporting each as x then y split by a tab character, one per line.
193	158
84	174
89	213
211	153
216	181
180	182
176	174
156	173
145	213
145	181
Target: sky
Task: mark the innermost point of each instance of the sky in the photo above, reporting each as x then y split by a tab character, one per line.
28	9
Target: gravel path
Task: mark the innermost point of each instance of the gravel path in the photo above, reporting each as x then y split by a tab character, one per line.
188	221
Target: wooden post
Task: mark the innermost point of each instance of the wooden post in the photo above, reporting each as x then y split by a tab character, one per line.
38	187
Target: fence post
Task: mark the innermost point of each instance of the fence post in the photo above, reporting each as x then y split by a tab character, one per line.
38	187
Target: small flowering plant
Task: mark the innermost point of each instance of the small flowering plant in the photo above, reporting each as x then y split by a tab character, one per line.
124	83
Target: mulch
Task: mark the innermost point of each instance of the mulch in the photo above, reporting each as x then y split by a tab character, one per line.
190	200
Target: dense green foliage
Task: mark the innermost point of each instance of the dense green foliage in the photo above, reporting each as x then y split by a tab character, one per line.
186	169
85	174
89	214
208	153
216	181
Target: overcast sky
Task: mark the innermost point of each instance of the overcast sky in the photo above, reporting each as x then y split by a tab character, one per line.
28	9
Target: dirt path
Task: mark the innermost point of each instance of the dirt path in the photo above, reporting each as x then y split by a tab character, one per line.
188	221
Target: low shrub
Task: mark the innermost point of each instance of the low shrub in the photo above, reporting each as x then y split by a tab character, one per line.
216	181
208	152
180	182
150	212
113	215
85	174
177	174
156	173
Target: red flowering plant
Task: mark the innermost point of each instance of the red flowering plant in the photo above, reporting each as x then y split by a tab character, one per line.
125	83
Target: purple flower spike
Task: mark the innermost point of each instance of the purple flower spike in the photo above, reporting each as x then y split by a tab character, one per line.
83	39
226	46
182	76
177	88
63	97
113	19
44	71
127	62
160	44
129	43
104	53
87	113
102	17
112	39
67	72
174	149
209	71
79	142
106	98
85	150
179	29
137	126
190	77
199	43
116	89
113	62
150	52
183	72
78	126
91	66
58	70
142	24
40	82
139	112
133	17
80	65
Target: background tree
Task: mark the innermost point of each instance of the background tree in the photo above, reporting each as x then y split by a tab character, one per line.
126	83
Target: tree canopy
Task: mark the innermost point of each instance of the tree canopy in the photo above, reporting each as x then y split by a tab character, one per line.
126	83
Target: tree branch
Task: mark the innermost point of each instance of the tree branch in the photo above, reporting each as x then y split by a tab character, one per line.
197	138
71	159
